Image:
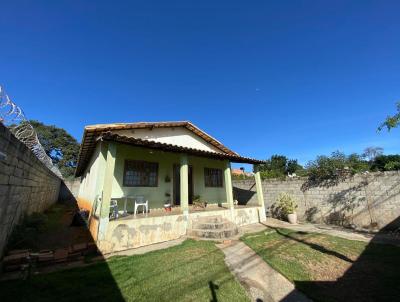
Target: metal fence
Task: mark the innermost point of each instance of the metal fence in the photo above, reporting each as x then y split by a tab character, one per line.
13	117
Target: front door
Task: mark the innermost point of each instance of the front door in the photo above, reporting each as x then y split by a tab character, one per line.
177	185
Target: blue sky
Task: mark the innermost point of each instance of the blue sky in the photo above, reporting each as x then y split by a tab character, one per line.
298	78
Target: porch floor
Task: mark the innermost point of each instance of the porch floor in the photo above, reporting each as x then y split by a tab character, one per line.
177	211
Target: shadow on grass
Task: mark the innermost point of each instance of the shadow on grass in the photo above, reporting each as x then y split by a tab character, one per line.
373	277
190	271
314	246
62	228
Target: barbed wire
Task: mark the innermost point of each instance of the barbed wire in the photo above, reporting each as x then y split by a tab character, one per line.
13	117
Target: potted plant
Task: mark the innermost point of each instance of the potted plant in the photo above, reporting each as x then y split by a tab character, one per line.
288	206
198	203
167	203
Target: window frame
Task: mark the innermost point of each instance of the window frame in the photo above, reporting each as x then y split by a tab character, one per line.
126	164
210	184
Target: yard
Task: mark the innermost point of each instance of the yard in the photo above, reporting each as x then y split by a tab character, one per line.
192	271
328	268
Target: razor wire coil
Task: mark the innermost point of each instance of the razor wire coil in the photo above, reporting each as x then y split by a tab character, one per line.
13	117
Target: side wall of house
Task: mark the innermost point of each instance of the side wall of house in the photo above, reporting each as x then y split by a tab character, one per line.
90	186
26	184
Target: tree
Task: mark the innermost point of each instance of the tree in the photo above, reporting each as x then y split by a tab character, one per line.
386	163
371	152
357	164
325	168
59	145
392	121
278	166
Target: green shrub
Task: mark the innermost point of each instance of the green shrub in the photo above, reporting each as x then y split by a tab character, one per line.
386	163
286	203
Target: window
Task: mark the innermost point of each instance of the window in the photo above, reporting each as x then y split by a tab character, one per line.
139	173
212	177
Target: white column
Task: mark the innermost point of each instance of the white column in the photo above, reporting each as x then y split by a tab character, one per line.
107	191
260	197
184	184
229	189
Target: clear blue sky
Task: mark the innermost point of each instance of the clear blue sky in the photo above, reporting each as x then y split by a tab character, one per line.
298	78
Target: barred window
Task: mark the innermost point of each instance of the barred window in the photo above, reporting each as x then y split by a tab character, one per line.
139	173
212	177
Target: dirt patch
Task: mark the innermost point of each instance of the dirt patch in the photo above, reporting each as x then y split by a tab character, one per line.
330	269
52	231
60	233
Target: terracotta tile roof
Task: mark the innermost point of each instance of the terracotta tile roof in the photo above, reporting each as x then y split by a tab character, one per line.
103	131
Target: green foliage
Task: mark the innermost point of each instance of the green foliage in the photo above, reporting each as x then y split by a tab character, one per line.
357	164
286	203
59	145
278	166
392	121
325	168
336	166
392	165
386	163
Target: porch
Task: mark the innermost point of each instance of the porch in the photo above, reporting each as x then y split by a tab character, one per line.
141	230
162	174
176	210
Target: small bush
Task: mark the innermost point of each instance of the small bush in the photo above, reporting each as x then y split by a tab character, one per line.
286	203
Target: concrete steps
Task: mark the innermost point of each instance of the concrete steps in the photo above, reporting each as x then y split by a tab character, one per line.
213	228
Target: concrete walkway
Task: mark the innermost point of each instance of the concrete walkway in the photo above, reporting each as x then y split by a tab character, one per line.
262	282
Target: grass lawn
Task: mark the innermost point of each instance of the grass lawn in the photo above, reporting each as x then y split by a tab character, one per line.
192	271
328	268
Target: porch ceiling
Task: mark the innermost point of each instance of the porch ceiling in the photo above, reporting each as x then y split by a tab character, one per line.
87	150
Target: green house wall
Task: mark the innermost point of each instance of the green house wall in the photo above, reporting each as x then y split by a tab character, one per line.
93	179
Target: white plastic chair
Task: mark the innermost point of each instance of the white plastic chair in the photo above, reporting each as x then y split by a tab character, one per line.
141	201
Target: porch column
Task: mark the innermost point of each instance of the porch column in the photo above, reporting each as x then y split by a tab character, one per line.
260	197
184	184
229	188
107	191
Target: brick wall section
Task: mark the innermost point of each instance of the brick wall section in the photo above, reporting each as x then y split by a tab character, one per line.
69	189
26	185
362	200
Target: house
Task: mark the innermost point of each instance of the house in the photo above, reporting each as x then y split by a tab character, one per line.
165	162
241	172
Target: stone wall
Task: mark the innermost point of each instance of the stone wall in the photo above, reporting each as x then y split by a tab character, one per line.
363	201
26	185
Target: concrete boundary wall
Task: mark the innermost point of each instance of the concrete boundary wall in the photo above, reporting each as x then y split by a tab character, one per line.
26	184
363	201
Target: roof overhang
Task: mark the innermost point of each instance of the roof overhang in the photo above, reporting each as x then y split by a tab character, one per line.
92	133
88	149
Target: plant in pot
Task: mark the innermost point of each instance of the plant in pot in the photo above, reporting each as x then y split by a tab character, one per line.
288	206
167	203
198	203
